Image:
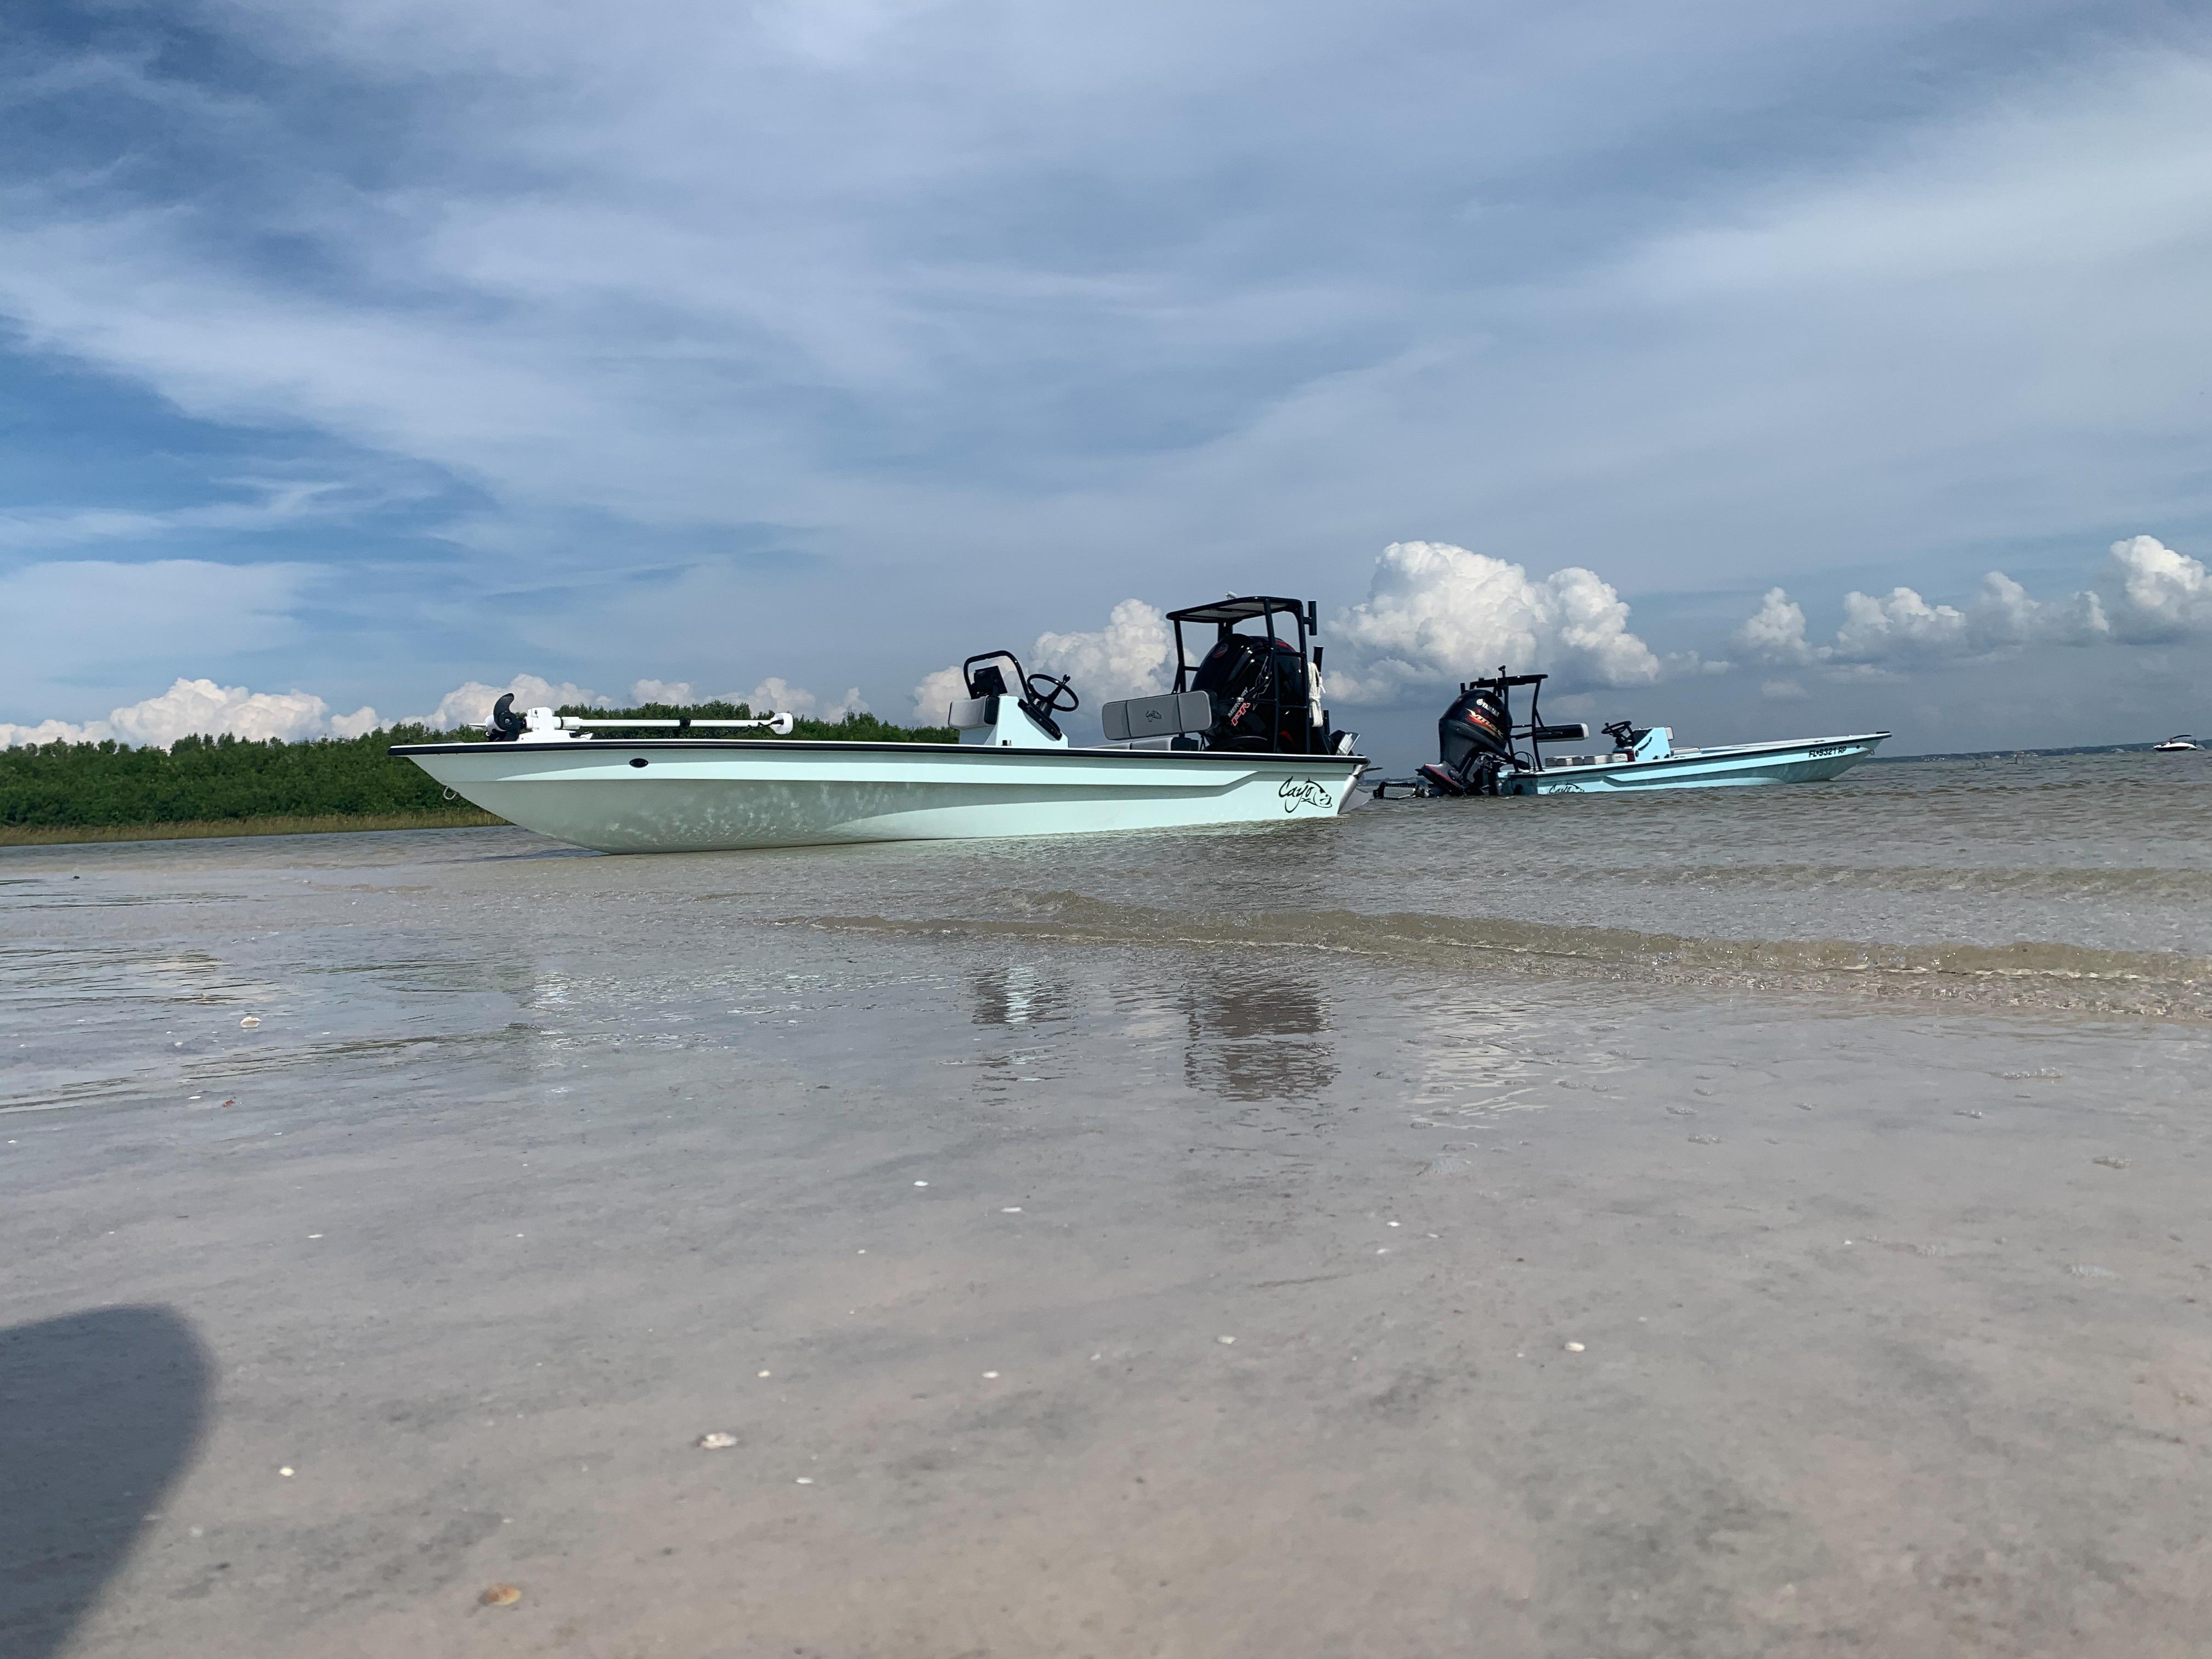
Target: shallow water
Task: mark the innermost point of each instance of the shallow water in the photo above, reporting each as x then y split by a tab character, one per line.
1855	1132
2051	886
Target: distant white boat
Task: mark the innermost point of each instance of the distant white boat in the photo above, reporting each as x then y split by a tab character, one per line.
2180	744
1242	738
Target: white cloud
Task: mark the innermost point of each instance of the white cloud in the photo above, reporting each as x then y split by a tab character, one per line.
1132	656
776	694
939	689
202	707
1783	691
1901	624
470	704
2158	593
2155	594
11	735
773	693
1776	631
1436	613
359	724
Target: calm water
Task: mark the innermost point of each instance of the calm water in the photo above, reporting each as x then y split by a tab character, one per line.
2045	885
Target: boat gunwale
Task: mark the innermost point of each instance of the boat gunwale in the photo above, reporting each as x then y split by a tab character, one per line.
600	745
1719	751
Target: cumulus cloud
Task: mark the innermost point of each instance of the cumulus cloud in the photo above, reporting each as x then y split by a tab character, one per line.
201	708
470	704
1132	656
939	689
2157	593
2150	593
1776	631
1433	613
772	693
1437	613
359	724
775	693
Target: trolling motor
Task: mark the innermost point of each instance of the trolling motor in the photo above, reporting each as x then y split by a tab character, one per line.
505	725
548	726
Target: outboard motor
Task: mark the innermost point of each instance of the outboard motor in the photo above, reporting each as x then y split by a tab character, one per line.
1250	679
1474	742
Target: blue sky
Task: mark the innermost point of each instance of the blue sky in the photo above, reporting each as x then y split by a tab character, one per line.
365	350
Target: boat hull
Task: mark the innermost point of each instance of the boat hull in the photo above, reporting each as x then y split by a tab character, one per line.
702	795
1807	761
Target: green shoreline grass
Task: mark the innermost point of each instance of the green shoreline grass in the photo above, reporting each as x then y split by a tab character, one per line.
324	823
57	793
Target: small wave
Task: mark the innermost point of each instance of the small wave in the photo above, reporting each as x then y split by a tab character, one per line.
2007	881
2035	975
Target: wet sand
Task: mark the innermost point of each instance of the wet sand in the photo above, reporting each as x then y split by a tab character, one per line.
1571	1315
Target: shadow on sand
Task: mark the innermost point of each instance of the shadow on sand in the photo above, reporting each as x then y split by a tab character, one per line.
99	1412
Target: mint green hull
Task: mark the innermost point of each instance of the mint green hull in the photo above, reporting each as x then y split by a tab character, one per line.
1799	761
703	795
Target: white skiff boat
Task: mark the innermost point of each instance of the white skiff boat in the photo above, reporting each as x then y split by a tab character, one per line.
1477	754
1242	738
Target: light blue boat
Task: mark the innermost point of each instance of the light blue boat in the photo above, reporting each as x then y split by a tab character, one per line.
1655	763
1477	755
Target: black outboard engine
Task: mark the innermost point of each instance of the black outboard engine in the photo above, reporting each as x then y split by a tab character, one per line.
1236	675
1474	742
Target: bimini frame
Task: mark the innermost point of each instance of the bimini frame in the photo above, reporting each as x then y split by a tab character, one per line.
1305	616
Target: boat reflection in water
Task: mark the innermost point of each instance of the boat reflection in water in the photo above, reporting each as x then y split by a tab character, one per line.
1017	993
1247	1034
1257	1035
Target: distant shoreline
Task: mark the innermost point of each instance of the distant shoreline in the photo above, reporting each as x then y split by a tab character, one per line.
467	818
323	823
2006	754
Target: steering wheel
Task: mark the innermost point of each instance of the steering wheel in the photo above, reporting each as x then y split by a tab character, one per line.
1045	692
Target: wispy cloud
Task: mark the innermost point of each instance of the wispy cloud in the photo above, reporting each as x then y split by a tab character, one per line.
281	504
909	302
59	617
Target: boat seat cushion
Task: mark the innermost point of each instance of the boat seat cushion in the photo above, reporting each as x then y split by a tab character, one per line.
1164	716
